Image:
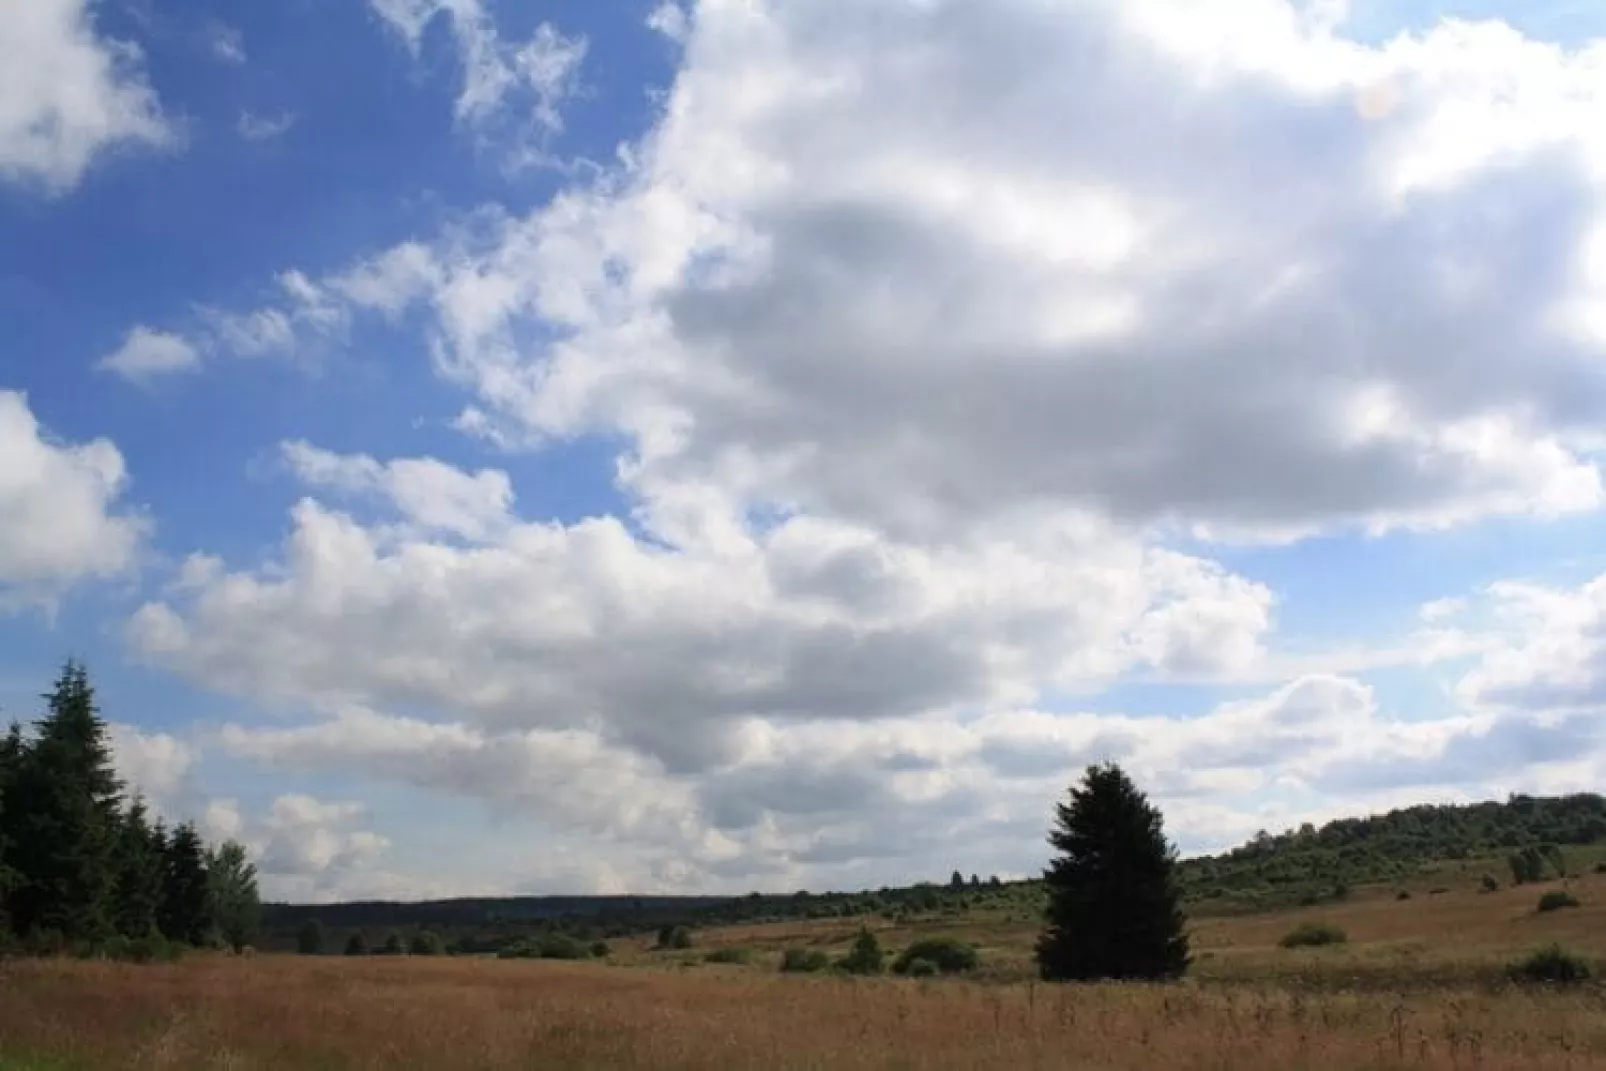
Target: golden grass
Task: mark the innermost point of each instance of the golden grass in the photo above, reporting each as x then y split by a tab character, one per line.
1413	971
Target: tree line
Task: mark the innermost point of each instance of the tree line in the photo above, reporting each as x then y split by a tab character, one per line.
84	867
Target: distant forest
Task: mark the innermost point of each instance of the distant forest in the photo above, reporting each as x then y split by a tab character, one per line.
1523	838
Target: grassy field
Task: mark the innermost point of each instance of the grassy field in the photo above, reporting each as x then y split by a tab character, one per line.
1417	985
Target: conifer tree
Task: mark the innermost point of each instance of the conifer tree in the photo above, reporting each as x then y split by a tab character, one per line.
185	913
10	810
1113	900
140	859
66	834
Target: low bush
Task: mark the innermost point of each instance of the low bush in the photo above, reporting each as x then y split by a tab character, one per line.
921	968
1313	935
729	955
1556	899
865	957
948	955
804	960
674	938
561	946
1551	965
425	943
1489	884
600	950
1403	894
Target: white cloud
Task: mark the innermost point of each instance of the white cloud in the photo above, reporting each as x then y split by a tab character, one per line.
512	90
1133	325
929	330
155	765
146	353
68	94
226	42
805	619
59	521
253	127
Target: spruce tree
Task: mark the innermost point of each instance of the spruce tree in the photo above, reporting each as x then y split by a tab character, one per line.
185	912
66	836
140	859
11	752
1113	901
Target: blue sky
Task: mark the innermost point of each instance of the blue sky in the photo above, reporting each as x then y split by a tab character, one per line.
713	447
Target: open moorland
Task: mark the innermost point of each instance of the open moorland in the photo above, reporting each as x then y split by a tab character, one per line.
1420	981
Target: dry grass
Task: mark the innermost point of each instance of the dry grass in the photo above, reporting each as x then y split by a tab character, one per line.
283	1012
1408	991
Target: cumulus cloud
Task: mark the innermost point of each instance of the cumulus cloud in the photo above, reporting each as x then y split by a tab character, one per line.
513	90
525	624
59	515
254	127
68	94
154	765
969	273
930	330
146	353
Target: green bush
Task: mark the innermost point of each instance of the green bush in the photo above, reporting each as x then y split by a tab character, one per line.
864	957
424	943
356	945
561	946
804	960
1313	935
1489	884
1403	894
1556	899
674	938
1551	965
921	968
600	950
948	955
729	955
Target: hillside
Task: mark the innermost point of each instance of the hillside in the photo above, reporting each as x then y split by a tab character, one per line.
1299	867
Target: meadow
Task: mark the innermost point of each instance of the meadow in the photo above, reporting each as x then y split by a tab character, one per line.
1419	984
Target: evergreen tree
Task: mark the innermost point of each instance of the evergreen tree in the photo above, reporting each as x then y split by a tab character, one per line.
356	945
11	750
309	939
66	837
1113	908
139	862
233	903
185	913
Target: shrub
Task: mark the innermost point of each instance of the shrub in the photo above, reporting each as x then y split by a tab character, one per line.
729	955
561	946
864	957
1403	894
1438	890
674	938
393	946
1313	935
1489	884
309	938
1556	899
1600	868
804	960
946	954
1551	965
356	945
921	968
425	943
600	950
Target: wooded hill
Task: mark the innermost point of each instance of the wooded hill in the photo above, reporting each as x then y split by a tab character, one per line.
1307	865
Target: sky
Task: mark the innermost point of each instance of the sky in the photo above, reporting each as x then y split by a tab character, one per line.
557	447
